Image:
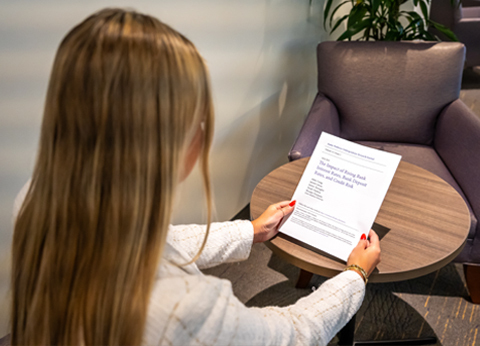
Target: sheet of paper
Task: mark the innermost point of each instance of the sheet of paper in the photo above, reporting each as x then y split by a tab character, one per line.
339	195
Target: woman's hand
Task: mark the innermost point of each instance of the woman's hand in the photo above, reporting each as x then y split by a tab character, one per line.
266	225
366	254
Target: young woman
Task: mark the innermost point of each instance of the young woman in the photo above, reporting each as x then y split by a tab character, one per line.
128	113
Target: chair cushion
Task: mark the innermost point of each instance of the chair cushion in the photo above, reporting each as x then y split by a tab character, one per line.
390	91
427	158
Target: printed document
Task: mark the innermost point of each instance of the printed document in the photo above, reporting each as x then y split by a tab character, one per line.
339	195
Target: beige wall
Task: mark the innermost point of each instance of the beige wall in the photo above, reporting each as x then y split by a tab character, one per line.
261	57
263	76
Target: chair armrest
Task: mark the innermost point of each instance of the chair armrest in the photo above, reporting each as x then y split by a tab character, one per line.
457	141
322	117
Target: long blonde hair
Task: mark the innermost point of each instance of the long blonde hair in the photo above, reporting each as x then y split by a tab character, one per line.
126	96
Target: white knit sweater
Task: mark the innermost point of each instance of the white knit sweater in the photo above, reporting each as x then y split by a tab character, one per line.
189	308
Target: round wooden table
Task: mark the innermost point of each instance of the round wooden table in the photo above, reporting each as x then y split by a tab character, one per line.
427	223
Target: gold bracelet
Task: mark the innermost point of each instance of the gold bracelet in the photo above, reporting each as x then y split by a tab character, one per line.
360	269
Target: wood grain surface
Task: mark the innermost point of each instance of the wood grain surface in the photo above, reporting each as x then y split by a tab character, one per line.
428	224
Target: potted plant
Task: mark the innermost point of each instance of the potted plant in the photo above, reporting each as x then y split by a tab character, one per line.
383	20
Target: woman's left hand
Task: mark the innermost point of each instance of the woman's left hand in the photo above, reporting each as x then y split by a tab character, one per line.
266	225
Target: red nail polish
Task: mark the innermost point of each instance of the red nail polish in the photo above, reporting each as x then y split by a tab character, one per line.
292	203
363	237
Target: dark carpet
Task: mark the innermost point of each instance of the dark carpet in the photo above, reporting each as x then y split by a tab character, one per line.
433	305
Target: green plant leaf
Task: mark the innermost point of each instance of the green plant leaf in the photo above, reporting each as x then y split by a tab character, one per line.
338	22
356	15
335	11
424	8
382	20
444	30
428	36
415	23
414	15
354	29
391	36
328	4
375	6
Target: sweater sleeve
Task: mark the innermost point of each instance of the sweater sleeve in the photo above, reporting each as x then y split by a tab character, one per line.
205	312
226	242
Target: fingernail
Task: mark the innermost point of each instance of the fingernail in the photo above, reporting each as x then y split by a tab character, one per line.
363	237
292	203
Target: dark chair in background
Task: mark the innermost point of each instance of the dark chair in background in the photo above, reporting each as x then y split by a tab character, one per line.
403	98
463	18
470	3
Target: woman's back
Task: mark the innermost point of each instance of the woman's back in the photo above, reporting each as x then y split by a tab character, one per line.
126	96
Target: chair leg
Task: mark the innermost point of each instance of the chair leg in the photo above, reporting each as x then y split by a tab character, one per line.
472	276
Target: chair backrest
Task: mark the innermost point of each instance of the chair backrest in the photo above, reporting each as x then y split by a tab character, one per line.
443	12
390	91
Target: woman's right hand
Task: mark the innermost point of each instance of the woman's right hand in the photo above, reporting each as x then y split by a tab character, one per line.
366	254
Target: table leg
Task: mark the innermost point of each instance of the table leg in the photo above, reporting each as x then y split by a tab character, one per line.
346	337
303	279
472	276
347	334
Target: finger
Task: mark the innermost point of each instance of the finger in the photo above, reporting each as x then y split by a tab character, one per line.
362	244
281	204
278	215
287	210
374	240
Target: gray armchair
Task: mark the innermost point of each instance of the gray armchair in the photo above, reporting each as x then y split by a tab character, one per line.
463	18
402	97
